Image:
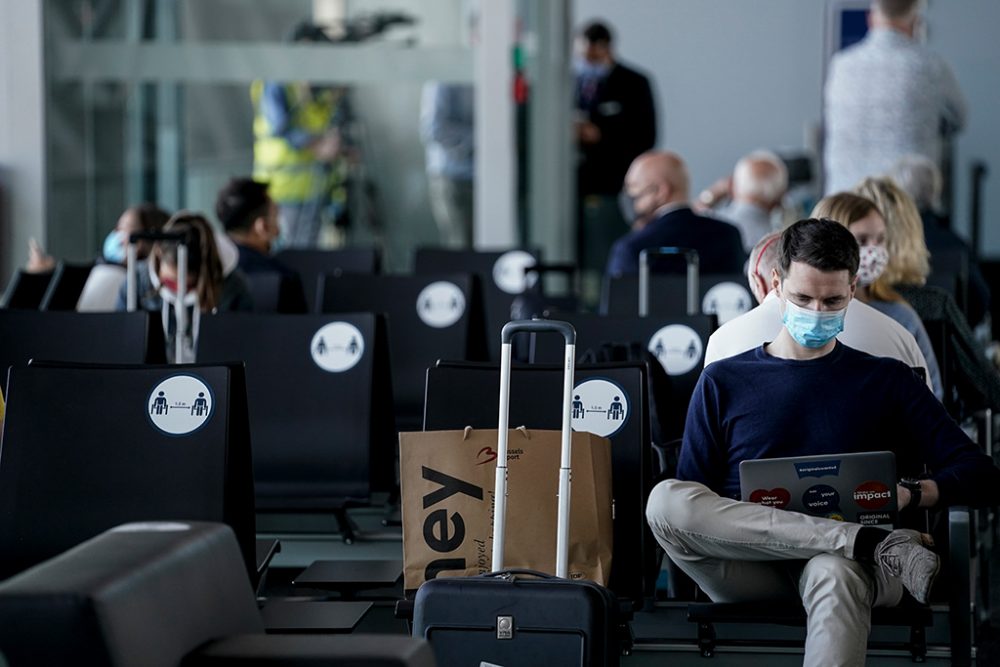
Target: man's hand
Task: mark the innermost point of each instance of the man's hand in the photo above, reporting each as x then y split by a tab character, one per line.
38	261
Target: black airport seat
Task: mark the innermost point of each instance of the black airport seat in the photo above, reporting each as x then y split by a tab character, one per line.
87	447
66	286
312	264
724	295
320	401
502	275
164	594
26	290
429	317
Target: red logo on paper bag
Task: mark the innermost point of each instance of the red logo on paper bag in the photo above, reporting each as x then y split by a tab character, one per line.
872	495
778	498
487	455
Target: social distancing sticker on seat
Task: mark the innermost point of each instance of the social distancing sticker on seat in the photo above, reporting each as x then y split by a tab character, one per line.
600	407
180	404
678	348
337	347
508	271
726	301
441	304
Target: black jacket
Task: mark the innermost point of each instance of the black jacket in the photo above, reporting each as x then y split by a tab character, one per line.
623	110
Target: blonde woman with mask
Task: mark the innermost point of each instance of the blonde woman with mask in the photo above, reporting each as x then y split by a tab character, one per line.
978	382
863	219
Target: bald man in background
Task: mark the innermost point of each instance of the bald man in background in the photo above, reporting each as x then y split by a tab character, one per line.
657	182
865	328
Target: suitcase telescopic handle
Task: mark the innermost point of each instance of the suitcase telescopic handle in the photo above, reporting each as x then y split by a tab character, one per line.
131	294
537	326
566	449
691	258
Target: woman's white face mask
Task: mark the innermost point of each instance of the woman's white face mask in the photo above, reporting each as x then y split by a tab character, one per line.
874	259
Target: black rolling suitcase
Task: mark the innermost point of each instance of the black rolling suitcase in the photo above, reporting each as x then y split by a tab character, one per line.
519	618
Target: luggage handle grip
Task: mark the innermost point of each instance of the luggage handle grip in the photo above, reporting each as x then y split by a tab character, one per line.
536	326
510	573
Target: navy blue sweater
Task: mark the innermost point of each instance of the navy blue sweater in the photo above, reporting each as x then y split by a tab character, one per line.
754	406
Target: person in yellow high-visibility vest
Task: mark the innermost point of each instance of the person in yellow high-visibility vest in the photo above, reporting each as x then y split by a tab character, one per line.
298	150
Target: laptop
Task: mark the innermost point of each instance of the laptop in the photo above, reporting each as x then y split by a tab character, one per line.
858	487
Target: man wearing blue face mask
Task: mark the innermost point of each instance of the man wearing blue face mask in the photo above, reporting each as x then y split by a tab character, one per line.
806	393
615	123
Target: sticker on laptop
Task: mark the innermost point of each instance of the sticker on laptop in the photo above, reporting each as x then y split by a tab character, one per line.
509	271
678	348
337	347
180	405
880	519
600	407
778	498
872	495
818	468
821	499
727	300
440	304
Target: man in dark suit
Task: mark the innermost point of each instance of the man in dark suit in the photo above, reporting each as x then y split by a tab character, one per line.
657	184
616	122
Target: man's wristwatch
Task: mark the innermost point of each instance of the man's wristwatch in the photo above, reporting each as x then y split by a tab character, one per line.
913	486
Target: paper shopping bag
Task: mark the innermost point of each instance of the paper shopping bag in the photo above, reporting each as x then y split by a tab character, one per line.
447	483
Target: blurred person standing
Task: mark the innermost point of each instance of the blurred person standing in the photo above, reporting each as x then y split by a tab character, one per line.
886	97
616	122
447	129
299	151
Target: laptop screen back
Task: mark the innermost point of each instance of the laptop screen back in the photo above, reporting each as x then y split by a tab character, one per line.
858	487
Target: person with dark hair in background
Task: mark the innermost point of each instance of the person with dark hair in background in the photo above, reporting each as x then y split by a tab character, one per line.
616	122
299	150
207	290
805	393
886	97
250	218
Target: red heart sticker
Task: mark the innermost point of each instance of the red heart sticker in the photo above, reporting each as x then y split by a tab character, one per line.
778	498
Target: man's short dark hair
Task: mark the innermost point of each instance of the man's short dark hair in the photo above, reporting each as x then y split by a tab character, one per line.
821	243
240	202
897	9
596	31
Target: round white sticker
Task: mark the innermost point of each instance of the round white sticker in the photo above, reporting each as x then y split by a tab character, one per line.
678	348
180	405
727	300
441	304
337	347
599	407
508	271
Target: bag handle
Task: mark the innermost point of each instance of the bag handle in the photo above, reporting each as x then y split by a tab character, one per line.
566	450
690	256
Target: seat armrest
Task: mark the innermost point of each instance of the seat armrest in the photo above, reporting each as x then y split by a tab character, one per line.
960	575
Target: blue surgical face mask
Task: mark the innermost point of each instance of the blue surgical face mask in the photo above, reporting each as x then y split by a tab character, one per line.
585	69
812	328
114	247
